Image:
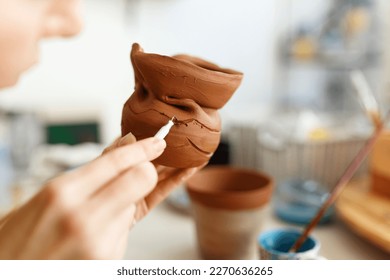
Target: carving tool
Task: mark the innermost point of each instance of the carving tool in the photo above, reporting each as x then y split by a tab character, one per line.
344	179
163	132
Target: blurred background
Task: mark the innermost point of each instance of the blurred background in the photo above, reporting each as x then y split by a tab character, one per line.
296	115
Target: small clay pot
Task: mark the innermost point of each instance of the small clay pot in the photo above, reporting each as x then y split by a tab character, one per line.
230	188
227	205
188	88
379	165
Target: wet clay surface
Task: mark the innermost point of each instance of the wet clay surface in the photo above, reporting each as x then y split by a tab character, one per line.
230	188
189	88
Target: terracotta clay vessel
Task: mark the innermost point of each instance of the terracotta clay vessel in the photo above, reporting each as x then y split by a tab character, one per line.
188	88
228	208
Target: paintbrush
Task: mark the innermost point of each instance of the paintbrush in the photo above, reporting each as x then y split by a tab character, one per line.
366	96
344	179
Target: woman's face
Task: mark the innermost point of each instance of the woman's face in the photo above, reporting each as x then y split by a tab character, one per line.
23	23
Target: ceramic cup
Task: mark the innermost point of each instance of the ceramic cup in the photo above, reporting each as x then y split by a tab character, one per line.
227	205
275	244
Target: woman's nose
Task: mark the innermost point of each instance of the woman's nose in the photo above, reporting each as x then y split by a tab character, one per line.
63	19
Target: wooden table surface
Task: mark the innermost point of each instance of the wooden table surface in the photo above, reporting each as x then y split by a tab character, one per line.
366	213
170	234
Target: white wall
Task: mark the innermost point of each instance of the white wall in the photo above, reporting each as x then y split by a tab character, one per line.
234	34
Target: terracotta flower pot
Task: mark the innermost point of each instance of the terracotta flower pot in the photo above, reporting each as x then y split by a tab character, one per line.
189	88
227	205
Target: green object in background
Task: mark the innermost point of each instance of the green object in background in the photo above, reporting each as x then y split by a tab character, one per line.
72	134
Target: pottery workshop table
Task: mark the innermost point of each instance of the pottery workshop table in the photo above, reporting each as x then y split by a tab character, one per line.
170	234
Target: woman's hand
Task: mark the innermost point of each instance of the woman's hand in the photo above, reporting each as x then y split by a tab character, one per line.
86	213
168	179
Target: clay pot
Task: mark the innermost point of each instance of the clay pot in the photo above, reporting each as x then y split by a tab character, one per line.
189	88
227	205
379	165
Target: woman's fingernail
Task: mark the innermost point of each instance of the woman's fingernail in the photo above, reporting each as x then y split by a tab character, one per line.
159	144
128	139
